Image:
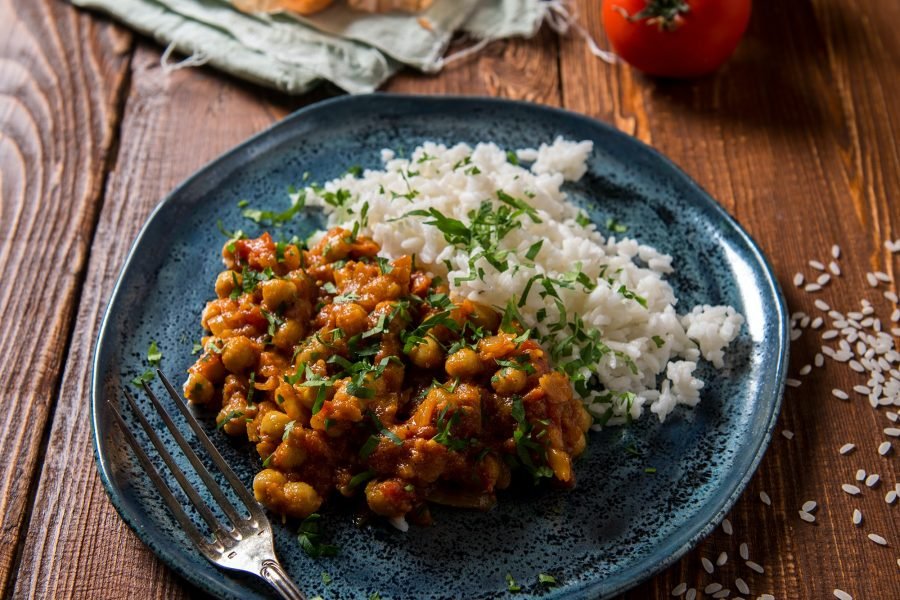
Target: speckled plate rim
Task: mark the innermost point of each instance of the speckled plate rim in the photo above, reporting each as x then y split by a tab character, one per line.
683	541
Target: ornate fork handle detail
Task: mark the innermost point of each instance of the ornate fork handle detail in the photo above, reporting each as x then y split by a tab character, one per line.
273	573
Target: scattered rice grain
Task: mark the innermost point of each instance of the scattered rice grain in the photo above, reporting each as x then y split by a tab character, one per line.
872	480
873	281
726	527
842	595
798	279
819	360
892	431
816	265
755	567
857	517
707	565
792	382
834	268
891	497
850	489
840	394
882	276
809	506
822	305
836	254
723	558
877	539
891	296
765	499
860	475
847	448
691	594
744	551
823	279
722	594
712	588
807	517
679	589
742	586
812	287
788	434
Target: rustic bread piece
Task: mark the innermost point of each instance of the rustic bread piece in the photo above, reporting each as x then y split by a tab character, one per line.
304	7
389	5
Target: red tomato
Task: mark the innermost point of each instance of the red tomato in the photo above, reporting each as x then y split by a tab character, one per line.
675	38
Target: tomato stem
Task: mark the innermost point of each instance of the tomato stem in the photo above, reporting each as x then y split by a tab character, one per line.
665	14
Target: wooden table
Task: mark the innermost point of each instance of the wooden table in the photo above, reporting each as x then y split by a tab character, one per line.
797	137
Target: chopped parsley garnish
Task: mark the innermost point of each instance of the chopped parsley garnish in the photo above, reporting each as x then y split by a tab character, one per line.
154	357
616	227
445	429
355	170
251	389
525	444
650	470
582	219
511	584
310	537
274	323
235	414
534	249
232	236
384	264
277	219
658	341
287	430
547	580
326	578
512	158
360	478
197	348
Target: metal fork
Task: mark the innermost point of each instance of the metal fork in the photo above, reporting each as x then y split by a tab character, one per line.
244	545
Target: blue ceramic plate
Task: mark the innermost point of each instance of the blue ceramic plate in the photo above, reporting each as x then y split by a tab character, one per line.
620	525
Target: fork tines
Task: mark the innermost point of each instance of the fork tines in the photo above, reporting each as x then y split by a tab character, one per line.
226	536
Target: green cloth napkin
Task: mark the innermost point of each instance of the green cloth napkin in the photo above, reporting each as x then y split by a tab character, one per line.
356	51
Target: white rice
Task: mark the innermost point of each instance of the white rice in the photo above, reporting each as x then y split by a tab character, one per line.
842	595
654	350
857	517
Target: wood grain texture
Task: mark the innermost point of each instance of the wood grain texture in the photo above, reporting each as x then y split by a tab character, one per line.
77	546
796	137
516	69
61	75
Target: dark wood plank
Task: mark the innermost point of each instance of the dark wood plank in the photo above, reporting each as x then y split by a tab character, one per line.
77	546
61	76
81	549
796	137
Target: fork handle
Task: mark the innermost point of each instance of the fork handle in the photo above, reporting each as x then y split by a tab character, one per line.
274	574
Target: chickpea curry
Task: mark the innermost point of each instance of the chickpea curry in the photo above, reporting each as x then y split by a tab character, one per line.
360	375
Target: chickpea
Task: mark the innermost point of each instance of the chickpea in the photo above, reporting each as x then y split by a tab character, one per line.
277	292
239	354
288	456
273	424
226	282
427	354
484	316
198	388
561	463
293	498
351	318
463	363
288	334
292	257
387	498
508	381
301	499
